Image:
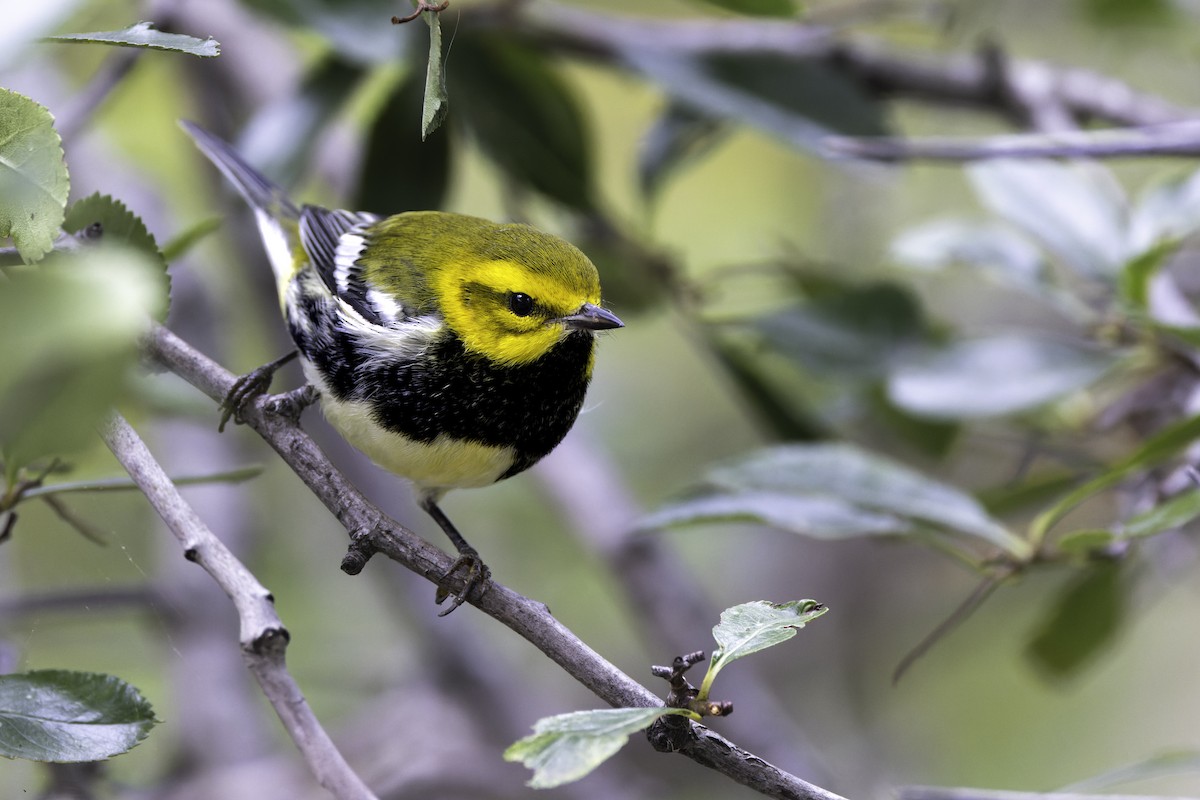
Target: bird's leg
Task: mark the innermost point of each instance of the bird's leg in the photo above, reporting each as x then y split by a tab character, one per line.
249	386
477	572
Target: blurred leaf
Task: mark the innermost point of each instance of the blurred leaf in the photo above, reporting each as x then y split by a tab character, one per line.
1133	282
1128	12
679	136
357	29
33	176
817	517
118	225
1000	375
1157	766
1076	210
814	90
997	249
182	243
1168	516
25	23
435	104
932	437
785	417
757	8
60	716
853	330
1085	542
755	626
1159	447
867	482
144	34
1165	212
1037	490
566	747
398	172
524	116
281	136
70	330
1081	622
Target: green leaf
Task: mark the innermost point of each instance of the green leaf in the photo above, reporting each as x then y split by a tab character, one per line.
817	517
994	376
57	380
995	249
400	173
116	224
143	34
33	176
869	483
814	91
1129	12
1168	516
1159	447
1085	542
182	243
755	626
524	117
1165	212
1083	619
1133	281
60	716
436	103
566	747
1077	211
757	8
855	330
681	135
930	436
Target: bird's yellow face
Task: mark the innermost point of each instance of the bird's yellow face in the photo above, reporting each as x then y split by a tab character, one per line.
509	312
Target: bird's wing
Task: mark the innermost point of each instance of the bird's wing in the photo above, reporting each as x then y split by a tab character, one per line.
333	241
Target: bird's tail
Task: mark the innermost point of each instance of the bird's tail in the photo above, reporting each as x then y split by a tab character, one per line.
277	216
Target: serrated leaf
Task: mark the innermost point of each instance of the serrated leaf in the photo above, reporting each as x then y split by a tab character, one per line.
1083	619
994	376
1168	516
33	176
399	172
61	716
868	481
116	224
757	8
755	626
144	34
566	747
524	117
1077	211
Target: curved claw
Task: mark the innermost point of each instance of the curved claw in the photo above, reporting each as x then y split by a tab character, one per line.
478	575
247	387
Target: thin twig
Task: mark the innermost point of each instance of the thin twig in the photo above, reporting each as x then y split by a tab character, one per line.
372	531
263	636
1181	139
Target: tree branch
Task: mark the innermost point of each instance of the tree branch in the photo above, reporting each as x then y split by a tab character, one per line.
263	636
1169	139
372	531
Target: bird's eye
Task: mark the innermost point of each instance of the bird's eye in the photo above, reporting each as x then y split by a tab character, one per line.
520	304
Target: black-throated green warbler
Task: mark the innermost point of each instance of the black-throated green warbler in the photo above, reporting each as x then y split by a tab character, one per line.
449	349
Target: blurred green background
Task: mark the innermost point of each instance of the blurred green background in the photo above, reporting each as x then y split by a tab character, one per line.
424	706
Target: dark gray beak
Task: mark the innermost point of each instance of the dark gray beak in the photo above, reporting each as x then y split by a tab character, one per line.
592	318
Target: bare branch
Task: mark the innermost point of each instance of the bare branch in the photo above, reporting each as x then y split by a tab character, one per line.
263	636
372	531
1170	139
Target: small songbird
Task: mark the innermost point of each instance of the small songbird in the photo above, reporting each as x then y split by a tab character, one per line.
451	350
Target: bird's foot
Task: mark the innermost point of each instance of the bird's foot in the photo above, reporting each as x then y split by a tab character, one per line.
248	387
478	575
